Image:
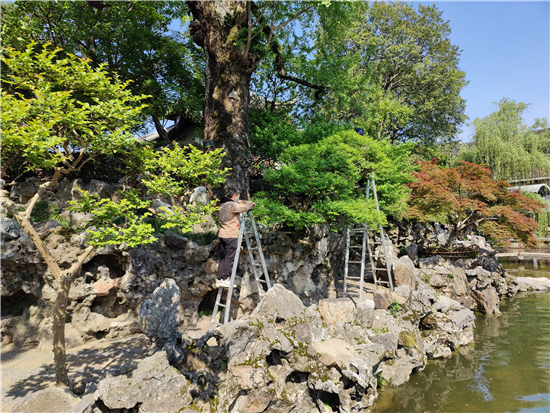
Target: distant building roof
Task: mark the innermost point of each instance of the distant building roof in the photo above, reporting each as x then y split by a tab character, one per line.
537	189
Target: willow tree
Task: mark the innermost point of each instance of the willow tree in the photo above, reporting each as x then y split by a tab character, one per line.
511	148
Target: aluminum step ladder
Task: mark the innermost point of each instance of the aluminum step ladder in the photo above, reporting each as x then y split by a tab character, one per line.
252	238
367	248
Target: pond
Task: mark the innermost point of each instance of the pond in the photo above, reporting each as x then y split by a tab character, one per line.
507	369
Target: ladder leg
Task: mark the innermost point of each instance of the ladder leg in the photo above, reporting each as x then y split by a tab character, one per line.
260	252
346	259
372	263
253	264
233	272
362	281
215	311
388	269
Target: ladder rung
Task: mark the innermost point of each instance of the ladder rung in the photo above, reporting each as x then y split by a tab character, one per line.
222	305
253	249
256	264
352	278
355	262
381	269
382	282
356	246
375	242
262	281
378	256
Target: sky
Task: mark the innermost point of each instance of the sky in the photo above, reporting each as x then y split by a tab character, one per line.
505	54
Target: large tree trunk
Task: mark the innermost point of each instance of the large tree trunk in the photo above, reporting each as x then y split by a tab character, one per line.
228	72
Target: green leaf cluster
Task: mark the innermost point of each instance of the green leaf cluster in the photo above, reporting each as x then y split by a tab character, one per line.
320	182
172	171
58	112
116	222
134	39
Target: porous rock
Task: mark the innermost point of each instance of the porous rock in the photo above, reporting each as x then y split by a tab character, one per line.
56	399
364	313
487	300
533	283
382	299
159	316
154	386
336	310
281	303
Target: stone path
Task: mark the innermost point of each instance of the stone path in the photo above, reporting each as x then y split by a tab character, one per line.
29	369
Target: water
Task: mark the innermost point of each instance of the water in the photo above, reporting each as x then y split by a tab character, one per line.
507	369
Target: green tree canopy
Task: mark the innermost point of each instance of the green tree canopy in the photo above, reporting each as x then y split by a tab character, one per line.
320	182
384	66
511	148
58	113
132	38
53	107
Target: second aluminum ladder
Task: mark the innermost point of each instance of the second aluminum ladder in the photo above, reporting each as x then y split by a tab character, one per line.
366	249
252	238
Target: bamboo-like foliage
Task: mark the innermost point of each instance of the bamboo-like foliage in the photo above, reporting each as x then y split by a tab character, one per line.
510	148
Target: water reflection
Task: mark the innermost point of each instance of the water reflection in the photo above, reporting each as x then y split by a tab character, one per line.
506	370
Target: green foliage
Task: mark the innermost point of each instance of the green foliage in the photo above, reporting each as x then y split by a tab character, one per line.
173	171
42	211
381	330
380	380
134	39
385	66
319	182
274	131
543	216
115	222
510	148
169	172
53	106
202	239
395	308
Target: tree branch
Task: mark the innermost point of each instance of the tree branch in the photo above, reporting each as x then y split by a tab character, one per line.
292	18
76	266
33	235
250	27
280	66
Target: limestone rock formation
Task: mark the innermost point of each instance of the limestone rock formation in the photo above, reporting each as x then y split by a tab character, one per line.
154	386
286	357
57	399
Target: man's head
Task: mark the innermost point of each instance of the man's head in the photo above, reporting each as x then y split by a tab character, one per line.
233	193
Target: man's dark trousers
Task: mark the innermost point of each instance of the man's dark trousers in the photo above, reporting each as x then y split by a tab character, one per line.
228	249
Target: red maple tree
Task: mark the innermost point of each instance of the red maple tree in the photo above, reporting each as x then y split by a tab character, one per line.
466	197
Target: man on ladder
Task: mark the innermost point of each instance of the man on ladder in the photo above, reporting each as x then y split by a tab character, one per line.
229	217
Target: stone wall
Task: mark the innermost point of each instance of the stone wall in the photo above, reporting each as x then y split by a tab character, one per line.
105	299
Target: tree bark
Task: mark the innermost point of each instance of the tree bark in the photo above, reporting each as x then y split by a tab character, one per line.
63	280
227	81
59	317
